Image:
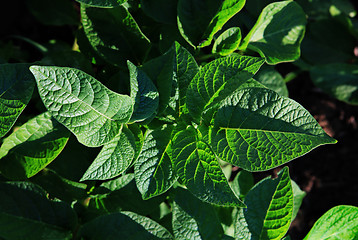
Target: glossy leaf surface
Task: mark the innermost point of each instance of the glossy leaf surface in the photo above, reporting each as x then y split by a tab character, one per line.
257	129
269	210
199	169
114	158
16	87
153	169
85	106
278	32
32	147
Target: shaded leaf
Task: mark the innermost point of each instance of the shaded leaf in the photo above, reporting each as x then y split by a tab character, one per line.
162	11
242	183
278	32
272	79
227	42
298	196
85	106
32	147
16	87
257	129
102	3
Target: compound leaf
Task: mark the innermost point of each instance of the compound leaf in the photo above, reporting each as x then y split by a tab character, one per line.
144	93
339	222
32	147
215	81
269	209
278	32
86	107
153	169
26	213
102	3
16	87
194	219
114	158
123	225
257	129
127	42
199	169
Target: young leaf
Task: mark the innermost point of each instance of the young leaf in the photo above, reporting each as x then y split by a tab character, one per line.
102	3
340	80
32	147
153	168
257	129
216	80
126	43
160	71
339	222
198	21
16	87
144	93
228	41
278	32
194	219
199	169
115	157
86	107
123	225
26	213
269	210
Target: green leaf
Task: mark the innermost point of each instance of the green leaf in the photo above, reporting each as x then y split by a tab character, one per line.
215	81
298	196
102	3
144	93
198	21
194	219
227	42
339	222
26	213
272	79
242	183
339	80
278	32
16	87
32	147
199	169
85	106
153	170
160	71
257	129
123	225
115	157
269	209
127	42
162	11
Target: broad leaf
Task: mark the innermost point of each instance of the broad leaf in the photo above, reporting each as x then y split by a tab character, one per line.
115	157
215	81
102	3
123	225
272	79
278	32
228	41
198	21
257	129
86	107
339	222
16	87
199	169
127	42
160	71
242	183
32	147
153	169
194	219
144	93
26	213
269	210
339	80
298	196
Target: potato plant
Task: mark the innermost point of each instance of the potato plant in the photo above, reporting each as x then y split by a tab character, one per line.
132	132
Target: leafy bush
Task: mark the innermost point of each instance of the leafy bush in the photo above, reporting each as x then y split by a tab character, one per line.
174	96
